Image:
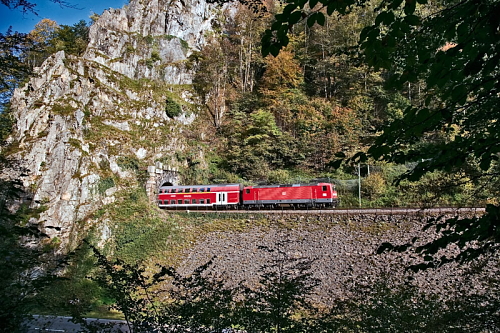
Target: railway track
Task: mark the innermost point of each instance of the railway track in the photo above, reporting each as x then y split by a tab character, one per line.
350	211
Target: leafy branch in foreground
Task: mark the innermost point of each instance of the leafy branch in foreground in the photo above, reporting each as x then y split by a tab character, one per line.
280	302
453	48
466	233
167	301
25	268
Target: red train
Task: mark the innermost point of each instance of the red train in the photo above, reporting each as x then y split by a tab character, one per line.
320	195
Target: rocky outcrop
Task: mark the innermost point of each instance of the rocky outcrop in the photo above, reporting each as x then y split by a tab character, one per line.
134	40
86	126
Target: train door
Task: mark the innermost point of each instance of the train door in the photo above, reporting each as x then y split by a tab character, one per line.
222	198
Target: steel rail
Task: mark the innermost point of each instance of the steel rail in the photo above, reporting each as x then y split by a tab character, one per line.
350	211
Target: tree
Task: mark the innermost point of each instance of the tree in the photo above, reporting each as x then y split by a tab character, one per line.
25	268
71	39
212	80
40	38
280	81
13	70
454	51
244	33
166	301
280	302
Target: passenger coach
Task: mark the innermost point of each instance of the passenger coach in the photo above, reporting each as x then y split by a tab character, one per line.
227	195
320	195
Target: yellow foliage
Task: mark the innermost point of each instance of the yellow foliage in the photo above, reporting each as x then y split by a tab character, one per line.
43	31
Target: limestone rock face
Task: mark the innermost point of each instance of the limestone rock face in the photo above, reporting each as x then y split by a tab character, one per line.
85	124
133	39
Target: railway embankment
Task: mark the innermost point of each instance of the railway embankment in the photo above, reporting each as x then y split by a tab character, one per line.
342	250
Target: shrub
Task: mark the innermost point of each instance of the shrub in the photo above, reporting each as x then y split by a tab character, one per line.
128	163
172	108
105	184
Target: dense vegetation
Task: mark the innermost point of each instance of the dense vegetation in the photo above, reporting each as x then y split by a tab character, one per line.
407	91
290	116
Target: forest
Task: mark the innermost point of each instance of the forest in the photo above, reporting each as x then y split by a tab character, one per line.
404	94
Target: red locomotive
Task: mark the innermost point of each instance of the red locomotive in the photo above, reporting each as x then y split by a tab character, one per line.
318	195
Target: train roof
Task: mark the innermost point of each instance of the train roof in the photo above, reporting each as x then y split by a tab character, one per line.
289	185
240	185
200	186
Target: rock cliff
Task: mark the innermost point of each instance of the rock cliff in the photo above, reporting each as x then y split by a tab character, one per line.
86	127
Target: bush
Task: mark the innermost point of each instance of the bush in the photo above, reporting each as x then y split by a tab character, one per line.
128	163
105	184
172	108
279	177
373	186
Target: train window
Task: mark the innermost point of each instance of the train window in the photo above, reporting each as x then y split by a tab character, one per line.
208	189
324	187
202	189
160	202
172	202
186	201
208	201
195	190
202	201
187	190
180	190
173	190
247	191
193	201
179	202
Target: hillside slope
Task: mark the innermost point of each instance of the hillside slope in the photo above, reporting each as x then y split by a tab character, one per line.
87	127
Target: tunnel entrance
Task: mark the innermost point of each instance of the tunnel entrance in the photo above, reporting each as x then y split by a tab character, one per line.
160	175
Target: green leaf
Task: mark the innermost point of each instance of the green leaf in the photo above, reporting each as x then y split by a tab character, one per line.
395	4
288	9
410	6
364	33
463	32
295	17
459	94
485	162
311	20
335	164
340	154
386	17
412	20
274	49
276	25
320	18
313	3
285	40
332	6
385	247
302	3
